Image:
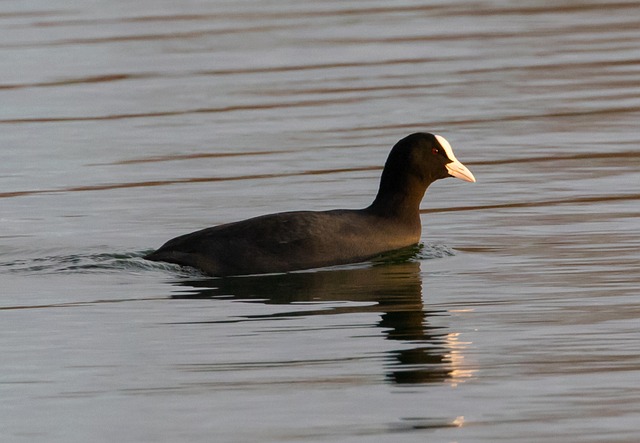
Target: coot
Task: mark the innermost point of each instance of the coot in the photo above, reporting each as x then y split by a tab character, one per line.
291	241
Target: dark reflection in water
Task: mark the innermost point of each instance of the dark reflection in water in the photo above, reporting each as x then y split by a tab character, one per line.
394	290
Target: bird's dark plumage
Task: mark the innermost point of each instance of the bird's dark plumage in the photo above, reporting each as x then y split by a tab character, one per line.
308	239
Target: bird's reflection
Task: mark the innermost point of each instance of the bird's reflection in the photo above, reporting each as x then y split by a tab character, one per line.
393	290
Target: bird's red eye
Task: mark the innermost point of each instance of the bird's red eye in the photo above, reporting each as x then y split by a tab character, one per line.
435	151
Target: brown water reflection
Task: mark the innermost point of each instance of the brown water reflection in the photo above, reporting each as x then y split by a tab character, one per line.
428	354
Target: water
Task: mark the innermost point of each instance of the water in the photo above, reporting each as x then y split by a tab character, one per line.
125	124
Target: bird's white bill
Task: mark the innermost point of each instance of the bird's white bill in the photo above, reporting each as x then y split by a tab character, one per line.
455	168
458	170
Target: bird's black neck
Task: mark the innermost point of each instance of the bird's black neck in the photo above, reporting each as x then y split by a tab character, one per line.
399	197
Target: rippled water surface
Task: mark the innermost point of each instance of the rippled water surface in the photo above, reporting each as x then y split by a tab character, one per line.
123	124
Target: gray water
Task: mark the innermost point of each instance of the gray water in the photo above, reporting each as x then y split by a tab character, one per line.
124	124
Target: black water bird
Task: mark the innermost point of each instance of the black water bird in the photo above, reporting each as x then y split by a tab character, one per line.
291	241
